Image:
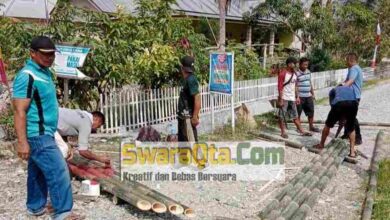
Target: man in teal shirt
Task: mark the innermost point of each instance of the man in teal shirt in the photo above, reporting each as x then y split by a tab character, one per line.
36	116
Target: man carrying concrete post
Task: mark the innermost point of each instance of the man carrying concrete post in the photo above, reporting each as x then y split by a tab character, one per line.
344	106
75	122
189	102
288	97
306	93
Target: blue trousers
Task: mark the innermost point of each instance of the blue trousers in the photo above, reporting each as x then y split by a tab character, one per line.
48	172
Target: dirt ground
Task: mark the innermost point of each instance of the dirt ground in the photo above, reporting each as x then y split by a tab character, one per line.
342	199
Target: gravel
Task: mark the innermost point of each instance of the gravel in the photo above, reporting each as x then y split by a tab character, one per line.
342	199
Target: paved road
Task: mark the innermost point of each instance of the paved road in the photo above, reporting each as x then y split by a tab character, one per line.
374	105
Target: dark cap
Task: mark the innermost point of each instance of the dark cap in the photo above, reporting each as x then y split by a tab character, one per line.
43	44
187	63
291	60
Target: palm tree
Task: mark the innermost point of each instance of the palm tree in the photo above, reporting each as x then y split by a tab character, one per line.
223	5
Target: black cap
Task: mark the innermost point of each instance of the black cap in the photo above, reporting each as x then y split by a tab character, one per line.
291	60
187	63
43	44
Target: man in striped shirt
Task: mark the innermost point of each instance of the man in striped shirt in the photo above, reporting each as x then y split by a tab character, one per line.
306	92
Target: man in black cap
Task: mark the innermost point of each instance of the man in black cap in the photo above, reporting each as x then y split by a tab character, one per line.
36	116
189	100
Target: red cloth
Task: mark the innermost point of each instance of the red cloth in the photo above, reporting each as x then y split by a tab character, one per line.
281	78
3	76
91	172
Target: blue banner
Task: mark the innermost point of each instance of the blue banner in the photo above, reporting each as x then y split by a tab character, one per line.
221	72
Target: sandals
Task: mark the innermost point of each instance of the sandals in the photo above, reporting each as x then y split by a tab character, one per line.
356	154
285	136
306	134
314	129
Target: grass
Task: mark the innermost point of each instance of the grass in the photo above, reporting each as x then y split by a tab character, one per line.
242	132
382	197
370	83
322	101
225	133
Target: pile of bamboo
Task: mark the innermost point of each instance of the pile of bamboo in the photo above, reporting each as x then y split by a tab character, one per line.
297	199
132	192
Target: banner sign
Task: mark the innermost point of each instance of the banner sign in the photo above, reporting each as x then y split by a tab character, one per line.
68	59
221	72
3	76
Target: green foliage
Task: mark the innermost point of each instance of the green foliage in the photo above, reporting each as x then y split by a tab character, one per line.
383	12
208	27
337	64
247	65
143	50
7	123
319	60
381	205
356	29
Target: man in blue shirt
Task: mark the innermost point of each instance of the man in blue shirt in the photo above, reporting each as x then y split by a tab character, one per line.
36	115
344	106
355	80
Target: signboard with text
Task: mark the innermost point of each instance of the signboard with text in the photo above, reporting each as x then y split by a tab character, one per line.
221	72
68	59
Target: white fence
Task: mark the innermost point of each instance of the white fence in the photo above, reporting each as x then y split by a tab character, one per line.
133	108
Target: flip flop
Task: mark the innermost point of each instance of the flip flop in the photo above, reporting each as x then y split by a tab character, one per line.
306	134
356	154
285	136
315	129
316	148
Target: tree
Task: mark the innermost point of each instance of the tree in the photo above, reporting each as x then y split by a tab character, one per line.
222	7
383	12
286	13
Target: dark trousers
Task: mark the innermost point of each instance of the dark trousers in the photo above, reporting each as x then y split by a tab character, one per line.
357	127
182	131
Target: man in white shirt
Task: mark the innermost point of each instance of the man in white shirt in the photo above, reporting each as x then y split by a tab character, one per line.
75	122
288	97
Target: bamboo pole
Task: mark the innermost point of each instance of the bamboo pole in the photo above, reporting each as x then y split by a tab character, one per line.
374	124
277	139
132	198
159	202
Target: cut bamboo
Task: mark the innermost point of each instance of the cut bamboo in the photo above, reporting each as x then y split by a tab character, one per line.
280	139
156	206
140	195
296	200
132	198
374	124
